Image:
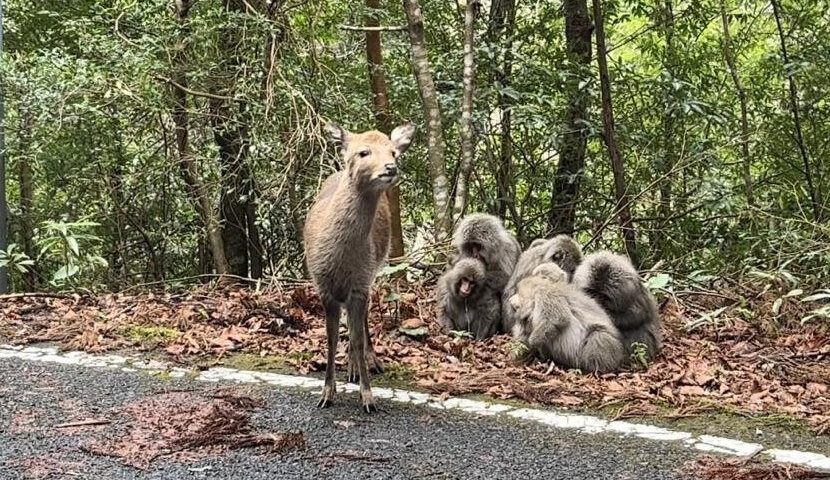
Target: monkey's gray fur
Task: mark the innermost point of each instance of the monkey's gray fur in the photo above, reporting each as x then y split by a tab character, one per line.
466	302
561	323
613	282
560	249
483	236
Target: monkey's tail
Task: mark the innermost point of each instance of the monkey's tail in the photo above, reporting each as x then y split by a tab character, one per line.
602	351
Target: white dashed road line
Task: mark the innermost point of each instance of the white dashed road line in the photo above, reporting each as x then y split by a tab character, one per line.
580	423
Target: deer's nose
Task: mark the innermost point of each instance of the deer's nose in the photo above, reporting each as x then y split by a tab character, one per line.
391	168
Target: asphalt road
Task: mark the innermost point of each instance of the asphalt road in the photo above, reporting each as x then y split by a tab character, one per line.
403	441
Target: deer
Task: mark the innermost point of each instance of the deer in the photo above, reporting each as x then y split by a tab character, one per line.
346	240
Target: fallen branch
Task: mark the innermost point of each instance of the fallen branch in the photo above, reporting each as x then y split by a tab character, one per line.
12	296
84	423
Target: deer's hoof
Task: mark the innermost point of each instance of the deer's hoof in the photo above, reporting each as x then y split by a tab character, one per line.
370	407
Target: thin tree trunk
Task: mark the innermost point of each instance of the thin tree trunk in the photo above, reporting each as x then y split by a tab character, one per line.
380	100
198	190
729	56
229	121
432	113
27	200
502	22
467	145
667	158
620	189
565	194
817	212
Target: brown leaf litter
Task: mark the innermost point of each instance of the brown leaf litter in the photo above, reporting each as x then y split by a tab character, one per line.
767	366
187	426
719	468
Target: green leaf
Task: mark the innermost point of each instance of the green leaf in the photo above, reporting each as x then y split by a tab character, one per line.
392	269
73	246
392	297
65	272
659	281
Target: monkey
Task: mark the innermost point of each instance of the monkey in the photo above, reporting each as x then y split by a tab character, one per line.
561	249
483	236
614	283
466	302
559	322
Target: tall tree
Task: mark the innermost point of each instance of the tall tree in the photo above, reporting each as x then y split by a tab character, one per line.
570	170
793	89
667	156
467	144
729	57
623	209
4	274
432	113
26	182
240	233
380	100
199	193
500	32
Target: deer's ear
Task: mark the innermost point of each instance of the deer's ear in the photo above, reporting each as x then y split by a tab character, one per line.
402	137
339	136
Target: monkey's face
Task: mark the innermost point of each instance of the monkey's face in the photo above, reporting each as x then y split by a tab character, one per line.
465	287
523	301
475	250
469	277
371	157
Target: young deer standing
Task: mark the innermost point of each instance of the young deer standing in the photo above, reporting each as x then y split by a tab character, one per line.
346	239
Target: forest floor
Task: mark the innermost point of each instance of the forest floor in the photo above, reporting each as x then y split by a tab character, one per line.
712	367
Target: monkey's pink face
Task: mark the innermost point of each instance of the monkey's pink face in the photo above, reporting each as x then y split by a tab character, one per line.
372	157
465	287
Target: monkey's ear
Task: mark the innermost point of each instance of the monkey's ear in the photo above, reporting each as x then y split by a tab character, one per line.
339	136
402	137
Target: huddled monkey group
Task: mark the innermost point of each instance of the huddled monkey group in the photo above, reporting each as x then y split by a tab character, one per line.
590	313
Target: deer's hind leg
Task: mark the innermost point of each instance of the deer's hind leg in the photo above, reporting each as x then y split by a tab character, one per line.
357	307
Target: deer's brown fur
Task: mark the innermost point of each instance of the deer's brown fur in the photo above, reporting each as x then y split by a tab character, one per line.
346	239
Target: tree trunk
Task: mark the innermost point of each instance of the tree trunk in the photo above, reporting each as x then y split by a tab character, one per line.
729	56
380	100
817	212
467	145
565	195
198	190
432	113
239	195
502	22
620	188
667	160
25	177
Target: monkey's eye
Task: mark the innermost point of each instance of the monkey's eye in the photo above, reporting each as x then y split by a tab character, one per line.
557	256
394	154
363	153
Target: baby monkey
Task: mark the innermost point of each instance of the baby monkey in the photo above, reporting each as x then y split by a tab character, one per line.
466	301
561	323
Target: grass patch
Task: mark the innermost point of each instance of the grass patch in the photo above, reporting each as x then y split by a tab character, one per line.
151	334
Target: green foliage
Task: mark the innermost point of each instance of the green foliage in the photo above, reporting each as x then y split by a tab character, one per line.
61	244
13	259
639	355
89	109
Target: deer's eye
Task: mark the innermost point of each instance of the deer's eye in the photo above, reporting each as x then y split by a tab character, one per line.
363	153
